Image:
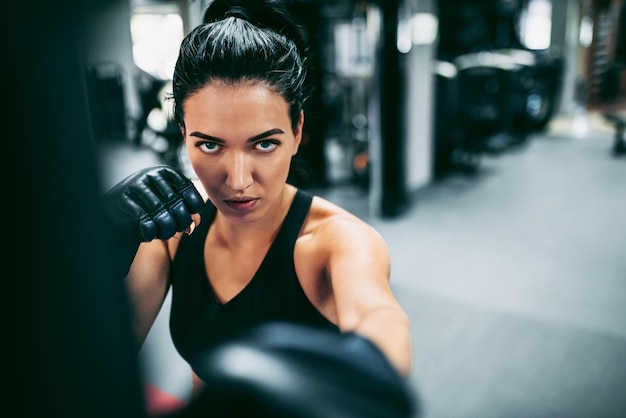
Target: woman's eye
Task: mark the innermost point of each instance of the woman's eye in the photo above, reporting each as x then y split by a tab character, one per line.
209	147
266	145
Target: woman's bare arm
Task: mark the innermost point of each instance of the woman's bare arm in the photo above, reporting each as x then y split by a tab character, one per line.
359	269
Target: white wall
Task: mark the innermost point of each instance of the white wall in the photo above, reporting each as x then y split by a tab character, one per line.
419	117
419	106
565	30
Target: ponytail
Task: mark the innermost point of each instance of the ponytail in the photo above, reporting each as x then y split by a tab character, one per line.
270	14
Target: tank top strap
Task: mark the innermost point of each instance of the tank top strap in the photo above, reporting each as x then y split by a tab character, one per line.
292	223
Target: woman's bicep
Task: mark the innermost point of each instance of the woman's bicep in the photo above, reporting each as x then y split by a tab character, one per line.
359	269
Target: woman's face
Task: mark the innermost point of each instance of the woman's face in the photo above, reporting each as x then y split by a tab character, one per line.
240	143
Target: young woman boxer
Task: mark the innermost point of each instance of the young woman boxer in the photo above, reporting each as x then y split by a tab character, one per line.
241	246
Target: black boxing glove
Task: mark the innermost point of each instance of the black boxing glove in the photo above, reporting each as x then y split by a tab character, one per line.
285	370
152	203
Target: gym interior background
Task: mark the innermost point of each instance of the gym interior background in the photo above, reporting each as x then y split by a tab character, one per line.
483	139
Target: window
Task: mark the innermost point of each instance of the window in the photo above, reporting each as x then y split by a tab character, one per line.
156	38
536	24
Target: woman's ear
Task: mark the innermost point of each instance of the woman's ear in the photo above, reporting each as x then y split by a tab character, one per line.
298	132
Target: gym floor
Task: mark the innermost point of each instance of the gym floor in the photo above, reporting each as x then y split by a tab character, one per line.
514	280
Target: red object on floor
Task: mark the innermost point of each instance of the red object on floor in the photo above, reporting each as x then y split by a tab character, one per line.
159	402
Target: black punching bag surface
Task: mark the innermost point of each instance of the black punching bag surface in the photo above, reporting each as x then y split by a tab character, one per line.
77	356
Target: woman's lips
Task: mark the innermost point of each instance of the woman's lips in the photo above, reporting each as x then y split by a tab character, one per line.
241	204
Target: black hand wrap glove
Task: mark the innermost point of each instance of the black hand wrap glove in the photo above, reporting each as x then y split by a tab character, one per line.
283	370
153	203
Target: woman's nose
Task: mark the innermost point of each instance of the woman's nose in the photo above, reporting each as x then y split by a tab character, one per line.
238	172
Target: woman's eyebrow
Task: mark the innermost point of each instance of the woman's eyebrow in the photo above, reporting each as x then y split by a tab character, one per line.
275	131
205	136
265	134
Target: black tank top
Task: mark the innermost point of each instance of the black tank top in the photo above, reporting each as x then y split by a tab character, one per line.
198	319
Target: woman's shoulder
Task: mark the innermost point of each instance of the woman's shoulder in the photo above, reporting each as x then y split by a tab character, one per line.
323	211
333	235
329	223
